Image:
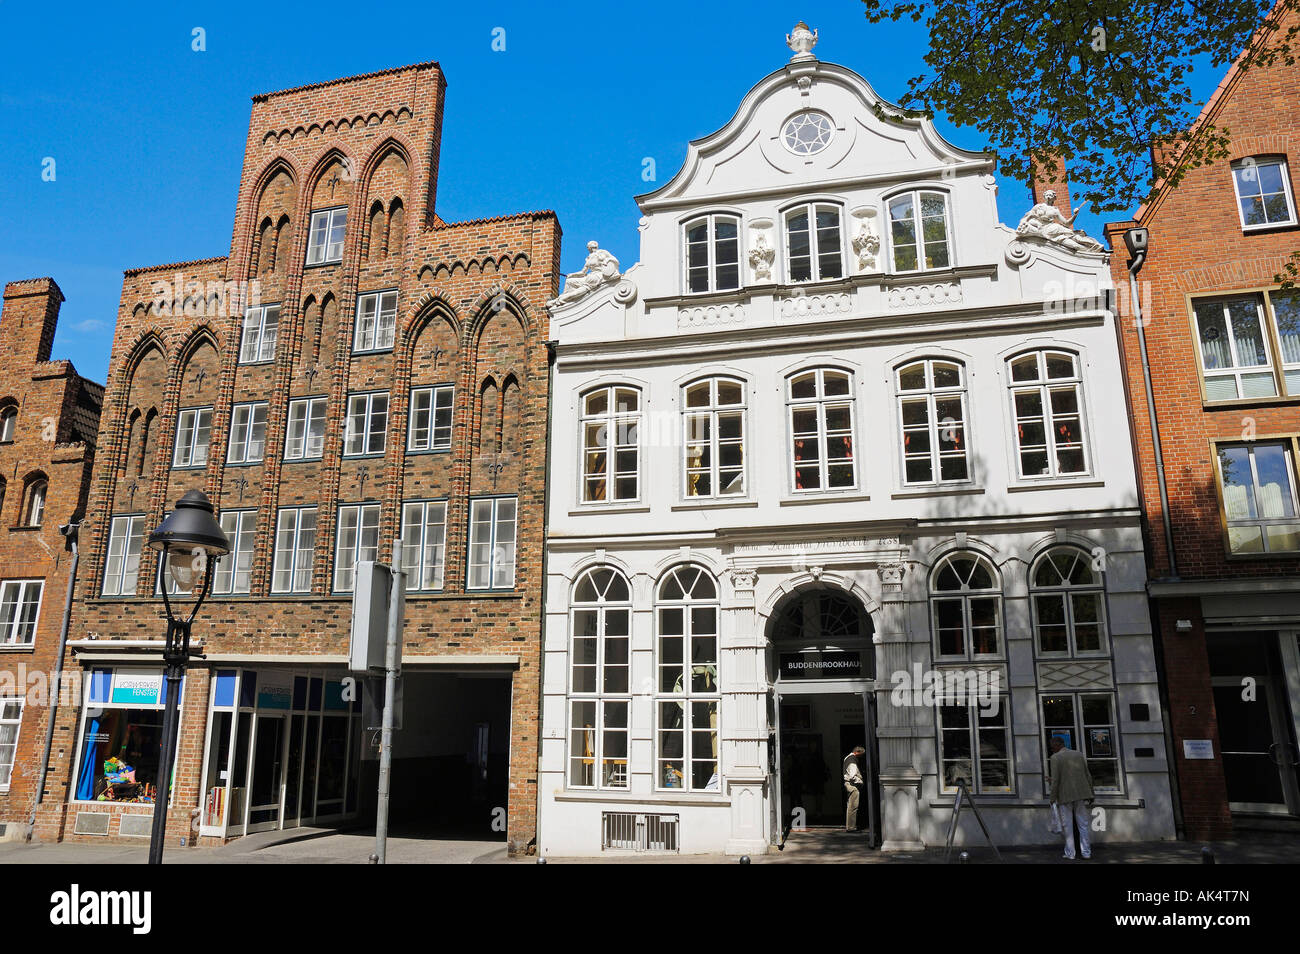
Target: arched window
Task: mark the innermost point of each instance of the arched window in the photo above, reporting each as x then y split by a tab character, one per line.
600	674
8	422
932	418
713	416
813	243
3	486
34	505
1066	588
1047	407
686	688
820	409
375	233
611	422
712	253
396	227
918	231
966	601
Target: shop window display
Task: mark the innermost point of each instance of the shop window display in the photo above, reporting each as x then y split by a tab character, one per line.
119	756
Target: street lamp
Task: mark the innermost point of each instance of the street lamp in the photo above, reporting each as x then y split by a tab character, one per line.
190	539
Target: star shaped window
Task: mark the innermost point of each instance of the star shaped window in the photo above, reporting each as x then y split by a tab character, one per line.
807	133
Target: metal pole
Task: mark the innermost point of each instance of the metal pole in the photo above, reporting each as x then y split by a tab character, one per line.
177	638
56	687
398	581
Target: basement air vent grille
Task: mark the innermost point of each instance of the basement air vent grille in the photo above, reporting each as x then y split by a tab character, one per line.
136	826
91	823
638	831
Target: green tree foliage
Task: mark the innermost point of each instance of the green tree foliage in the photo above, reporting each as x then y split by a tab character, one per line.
1095	81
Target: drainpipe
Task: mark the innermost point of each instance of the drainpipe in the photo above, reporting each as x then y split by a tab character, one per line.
1136	241
69	531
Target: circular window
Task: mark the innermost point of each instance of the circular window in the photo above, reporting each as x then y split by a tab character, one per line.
807	132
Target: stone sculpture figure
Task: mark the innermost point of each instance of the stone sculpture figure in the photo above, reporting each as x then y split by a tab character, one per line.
761	257
1045	221
601	268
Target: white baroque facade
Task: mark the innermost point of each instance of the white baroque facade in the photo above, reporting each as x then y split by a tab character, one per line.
838	435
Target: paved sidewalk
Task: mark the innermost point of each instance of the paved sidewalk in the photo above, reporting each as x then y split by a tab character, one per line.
815	846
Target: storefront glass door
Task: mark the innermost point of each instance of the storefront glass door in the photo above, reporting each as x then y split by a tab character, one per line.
266	785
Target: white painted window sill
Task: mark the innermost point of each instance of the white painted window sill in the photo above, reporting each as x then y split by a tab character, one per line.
1054	484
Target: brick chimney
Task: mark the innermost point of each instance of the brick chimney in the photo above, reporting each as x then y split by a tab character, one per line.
1050	175
31	311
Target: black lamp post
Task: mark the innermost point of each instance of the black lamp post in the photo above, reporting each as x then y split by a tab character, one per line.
191	540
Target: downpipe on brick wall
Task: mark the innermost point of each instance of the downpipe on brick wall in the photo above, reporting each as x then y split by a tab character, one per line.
69	531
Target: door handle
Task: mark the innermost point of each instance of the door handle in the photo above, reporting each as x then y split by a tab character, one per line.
1275	756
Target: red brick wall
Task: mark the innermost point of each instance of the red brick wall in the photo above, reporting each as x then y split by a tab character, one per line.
470	305
56	408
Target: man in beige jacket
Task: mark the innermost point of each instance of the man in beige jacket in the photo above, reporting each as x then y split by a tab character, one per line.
853	782
1071	793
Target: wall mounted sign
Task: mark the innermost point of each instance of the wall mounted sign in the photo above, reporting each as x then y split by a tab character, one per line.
831	664
1198	748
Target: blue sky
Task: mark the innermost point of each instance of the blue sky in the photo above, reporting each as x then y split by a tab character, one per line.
147	134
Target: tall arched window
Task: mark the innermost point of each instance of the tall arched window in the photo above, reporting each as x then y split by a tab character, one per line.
1067	596
686	687
918	231
8	422
713	416
932	418
1047	407
599	680
34	505
814	247
966	602
611	421
712	253
820	408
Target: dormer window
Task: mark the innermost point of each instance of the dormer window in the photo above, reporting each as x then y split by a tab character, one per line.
1263	193
712	253
813	244
918	231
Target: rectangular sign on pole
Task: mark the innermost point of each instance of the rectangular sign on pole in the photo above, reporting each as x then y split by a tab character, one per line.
370	596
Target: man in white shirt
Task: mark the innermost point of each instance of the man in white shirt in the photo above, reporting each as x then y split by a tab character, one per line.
853	785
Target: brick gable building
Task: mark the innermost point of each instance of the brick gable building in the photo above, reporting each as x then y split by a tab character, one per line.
355	369
49	415
1223	344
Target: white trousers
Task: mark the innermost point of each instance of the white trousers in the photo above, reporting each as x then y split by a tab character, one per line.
1072	812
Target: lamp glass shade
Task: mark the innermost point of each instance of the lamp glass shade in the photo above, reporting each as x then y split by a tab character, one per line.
185	564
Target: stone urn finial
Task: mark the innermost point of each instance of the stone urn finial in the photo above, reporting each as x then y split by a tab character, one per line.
801	41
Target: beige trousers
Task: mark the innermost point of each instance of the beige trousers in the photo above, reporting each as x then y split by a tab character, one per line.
851	812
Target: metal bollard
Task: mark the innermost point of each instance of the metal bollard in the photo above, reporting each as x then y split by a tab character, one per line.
541	861
963	858
1207	855
744	859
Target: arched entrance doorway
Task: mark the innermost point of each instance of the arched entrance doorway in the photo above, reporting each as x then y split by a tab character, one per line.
821	666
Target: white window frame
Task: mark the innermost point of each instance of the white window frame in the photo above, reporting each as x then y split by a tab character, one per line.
8	424
711	413
1064	591
600	697
123	529
12	627
362	404
246	422
965	594
974	727
34	506
819	403
1045	386
688	695
302	417
1266	319
364	520
261	334
711	241
323	246
430	438
197	420
1257	162
301	560
424	545
380	328
501	571
814	242
1080	741
6	768
240	528
931	394
1260	523
923	263
611	434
